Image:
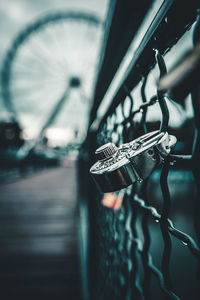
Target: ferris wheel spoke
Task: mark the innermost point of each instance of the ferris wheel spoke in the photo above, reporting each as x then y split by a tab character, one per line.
38	59
48	55
32	95
58	46
29	87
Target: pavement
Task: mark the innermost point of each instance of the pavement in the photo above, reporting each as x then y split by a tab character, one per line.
39	254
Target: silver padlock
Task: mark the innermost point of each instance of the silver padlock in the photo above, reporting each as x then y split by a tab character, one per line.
119	167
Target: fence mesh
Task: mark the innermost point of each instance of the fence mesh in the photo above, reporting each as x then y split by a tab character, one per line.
122	244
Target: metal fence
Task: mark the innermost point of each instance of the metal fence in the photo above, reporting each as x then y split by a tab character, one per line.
122	250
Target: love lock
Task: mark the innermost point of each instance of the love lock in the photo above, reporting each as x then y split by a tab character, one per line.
118	167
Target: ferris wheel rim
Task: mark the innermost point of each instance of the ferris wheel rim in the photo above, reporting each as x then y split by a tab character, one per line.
30	29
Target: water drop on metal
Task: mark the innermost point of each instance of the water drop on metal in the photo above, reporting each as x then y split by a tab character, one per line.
184	243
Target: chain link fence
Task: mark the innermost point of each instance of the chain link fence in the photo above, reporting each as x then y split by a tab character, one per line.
135	249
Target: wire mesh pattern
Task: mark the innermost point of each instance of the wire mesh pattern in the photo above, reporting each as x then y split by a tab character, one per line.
123	257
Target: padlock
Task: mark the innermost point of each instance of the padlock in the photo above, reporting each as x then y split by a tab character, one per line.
119	167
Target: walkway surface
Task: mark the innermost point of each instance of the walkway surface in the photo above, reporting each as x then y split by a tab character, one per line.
38	237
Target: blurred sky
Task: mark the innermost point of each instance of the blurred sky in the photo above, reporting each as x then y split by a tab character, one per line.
15	14
47	60
72	59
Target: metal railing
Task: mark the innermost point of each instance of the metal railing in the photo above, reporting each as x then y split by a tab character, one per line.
120	257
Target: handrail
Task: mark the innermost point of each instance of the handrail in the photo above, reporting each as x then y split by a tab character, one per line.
151	22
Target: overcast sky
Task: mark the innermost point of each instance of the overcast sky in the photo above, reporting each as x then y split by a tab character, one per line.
15	15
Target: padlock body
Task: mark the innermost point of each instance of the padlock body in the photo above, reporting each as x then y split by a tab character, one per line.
132	162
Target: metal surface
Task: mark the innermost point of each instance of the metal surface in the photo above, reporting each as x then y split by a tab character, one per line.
131	162
147	248
152	20
106	151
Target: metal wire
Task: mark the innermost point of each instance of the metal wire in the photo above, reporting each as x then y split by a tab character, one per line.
161	98
183	237
124	237
121	276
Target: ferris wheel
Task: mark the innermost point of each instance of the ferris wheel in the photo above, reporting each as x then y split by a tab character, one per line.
50	70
